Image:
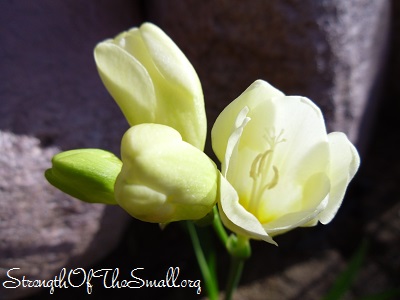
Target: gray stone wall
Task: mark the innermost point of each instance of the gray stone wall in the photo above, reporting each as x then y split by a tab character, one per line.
332	52
52	100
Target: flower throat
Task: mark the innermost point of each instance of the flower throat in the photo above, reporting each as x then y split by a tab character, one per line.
261	169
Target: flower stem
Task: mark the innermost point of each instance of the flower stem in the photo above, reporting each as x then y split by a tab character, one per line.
235	273
219	228
239	249
208	275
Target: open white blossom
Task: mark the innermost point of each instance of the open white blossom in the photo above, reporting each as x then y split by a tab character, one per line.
280	168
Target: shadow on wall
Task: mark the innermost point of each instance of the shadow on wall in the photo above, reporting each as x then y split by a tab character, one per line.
50	86
52	99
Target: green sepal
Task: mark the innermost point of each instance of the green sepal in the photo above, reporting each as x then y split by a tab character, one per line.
238	247
86	174
205	221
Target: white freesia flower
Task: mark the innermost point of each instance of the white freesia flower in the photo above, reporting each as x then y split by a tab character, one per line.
152	81
163	178
281	169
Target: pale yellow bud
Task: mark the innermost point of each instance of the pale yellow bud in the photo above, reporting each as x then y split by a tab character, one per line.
163	178
153	82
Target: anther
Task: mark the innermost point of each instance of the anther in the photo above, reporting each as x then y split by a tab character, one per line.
254	170
274	180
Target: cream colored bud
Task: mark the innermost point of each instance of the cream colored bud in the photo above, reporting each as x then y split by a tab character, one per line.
153	82
163	178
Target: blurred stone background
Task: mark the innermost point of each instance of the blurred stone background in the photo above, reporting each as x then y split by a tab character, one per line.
342	54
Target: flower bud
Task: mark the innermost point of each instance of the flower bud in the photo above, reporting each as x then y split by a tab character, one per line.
153	82
163	178
86	174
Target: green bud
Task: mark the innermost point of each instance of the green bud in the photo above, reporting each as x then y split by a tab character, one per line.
238	246
86	174
163	178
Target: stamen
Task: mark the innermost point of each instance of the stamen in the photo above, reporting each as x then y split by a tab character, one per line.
262	163
279	139
254	171
273	182
260	169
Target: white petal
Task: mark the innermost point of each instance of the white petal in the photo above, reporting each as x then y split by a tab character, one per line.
236	218
233	141
304	133
258	92
300	124
313	202
343	166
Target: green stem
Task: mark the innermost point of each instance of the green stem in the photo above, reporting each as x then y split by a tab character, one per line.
235	273
219	228
209	280
239	249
